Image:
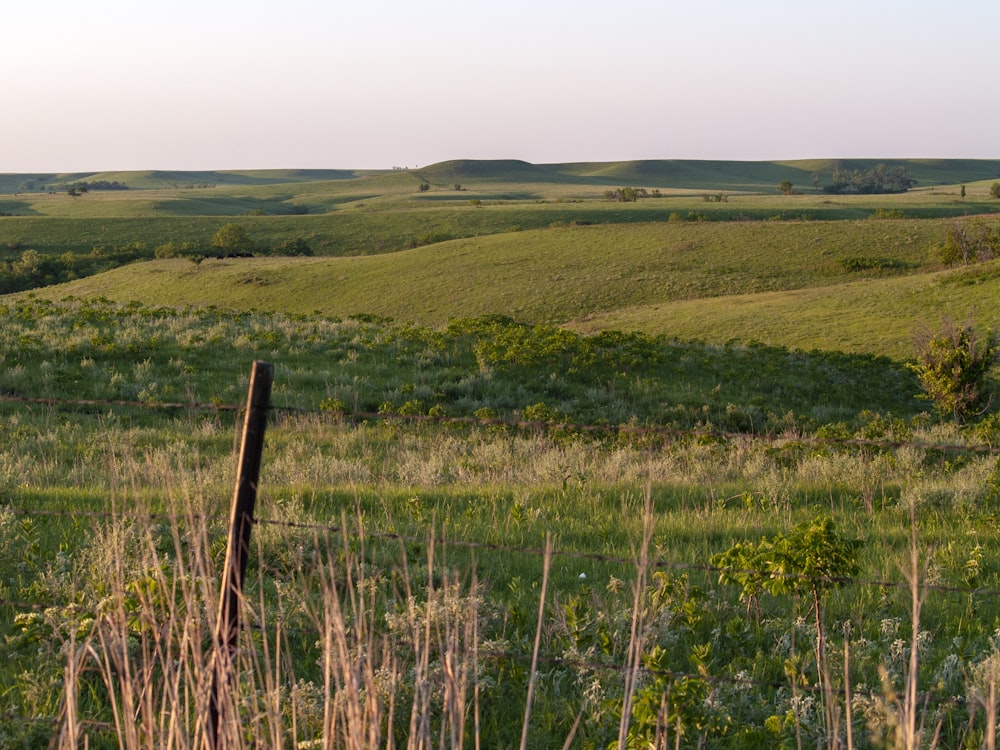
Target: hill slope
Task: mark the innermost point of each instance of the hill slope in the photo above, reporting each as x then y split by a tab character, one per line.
775	282
161	179
661	173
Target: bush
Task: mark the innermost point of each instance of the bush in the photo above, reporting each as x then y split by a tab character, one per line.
952	366
292	247
233	238
865	263
969	242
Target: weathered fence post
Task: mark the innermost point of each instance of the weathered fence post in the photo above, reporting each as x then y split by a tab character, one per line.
227	629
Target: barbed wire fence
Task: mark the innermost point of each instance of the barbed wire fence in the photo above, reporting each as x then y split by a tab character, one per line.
564	427
318	529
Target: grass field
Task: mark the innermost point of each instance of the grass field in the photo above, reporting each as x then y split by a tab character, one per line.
703	406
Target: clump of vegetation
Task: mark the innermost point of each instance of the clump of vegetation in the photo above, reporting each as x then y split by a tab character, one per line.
409	478
34	269
292	248
233	239
627	194
970	242
877	180
889	213
865	263
953	365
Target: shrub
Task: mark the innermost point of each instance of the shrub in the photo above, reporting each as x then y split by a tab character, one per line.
889	213
952	366
865	263
233	238
292	247
969	242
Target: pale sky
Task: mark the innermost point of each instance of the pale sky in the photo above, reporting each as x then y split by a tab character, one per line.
92	85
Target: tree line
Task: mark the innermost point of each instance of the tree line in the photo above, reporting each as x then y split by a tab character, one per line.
880	179
34	269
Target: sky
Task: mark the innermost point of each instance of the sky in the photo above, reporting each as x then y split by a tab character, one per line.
98	85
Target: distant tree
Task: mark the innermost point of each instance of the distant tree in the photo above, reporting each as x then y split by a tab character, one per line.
969	242
995	190
626	194
961	192
458	186
424	187
877	180
233	238
786	187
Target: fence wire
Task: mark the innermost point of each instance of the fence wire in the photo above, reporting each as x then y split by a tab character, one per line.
603	558
562	428
638	431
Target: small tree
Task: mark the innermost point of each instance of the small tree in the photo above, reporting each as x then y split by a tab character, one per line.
233	238
969	242
952	366
995	190
786	187
810	561
424	187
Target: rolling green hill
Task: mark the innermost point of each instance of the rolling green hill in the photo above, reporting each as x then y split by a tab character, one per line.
161	179
782	283
661	173
541	243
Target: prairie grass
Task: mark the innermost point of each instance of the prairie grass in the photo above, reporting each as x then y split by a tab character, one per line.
395	588
371	628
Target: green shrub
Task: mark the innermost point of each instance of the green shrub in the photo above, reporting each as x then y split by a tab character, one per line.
952	366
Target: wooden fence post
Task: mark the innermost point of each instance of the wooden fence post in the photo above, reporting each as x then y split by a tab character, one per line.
227	629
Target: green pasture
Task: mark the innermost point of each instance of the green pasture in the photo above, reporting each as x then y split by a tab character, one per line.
877	316
489	493
784	283
465	371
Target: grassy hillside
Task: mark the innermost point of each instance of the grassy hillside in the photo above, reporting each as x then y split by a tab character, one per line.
160	179
779	282
663	173
412	473
877	316
542	243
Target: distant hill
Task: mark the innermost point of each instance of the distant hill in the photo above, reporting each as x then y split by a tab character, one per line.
493	170
681	173
776	282
651	173
161	179
755	175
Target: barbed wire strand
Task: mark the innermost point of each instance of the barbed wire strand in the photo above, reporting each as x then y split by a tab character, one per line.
626	561
527	425
151	405
638	430
597	557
